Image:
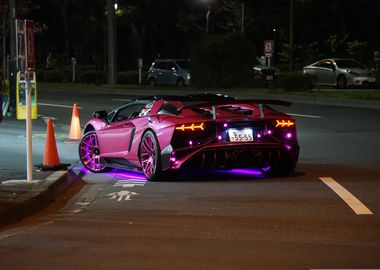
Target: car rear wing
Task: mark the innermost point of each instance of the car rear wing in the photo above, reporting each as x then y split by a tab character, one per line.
260	102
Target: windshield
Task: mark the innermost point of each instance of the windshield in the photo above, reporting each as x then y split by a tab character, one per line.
348	64
184	64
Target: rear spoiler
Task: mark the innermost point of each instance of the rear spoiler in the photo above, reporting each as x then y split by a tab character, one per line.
260	102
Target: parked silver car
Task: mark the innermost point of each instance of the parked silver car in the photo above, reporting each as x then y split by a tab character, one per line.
169	72
341	73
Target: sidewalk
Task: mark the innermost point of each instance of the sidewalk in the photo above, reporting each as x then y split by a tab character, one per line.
19	198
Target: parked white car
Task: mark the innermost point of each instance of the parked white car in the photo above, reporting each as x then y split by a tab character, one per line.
341	73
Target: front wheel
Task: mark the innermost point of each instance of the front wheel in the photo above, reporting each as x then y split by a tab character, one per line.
89	152
150	156
152	82
341	82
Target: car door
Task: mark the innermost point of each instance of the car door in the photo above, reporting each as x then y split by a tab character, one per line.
163	73
325	72
115	140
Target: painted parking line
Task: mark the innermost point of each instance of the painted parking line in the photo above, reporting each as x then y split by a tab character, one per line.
57	105
305	115
353	202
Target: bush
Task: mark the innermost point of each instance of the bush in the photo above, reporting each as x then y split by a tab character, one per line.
52	75
92	77
128	77
222	61
297	81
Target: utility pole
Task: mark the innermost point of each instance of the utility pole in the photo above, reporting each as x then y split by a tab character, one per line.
291	37
12	64
242	17
111	43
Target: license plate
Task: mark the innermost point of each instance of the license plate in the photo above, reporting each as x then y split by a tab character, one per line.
240	135
269	78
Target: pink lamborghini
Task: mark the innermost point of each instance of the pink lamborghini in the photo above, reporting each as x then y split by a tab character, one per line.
163	134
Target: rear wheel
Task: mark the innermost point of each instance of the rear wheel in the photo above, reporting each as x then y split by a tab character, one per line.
89	152
283	167
150	156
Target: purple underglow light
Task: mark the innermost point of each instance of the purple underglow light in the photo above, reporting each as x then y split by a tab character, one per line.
269	132
225	125
173	159
288	135
119	173
219	137
254	172
265	169
190	142
258	135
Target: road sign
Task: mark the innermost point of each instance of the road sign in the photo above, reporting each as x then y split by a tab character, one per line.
268	48
29	40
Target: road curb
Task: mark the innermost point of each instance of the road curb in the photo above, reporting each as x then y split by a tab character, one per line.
54	185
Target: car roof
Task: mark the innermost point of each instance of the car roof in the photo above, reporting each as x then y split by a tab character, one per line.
171	59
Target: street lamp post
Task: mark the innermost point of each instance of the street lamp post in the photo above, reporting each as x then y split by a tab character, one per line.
208	16
242	17
291	37
111	43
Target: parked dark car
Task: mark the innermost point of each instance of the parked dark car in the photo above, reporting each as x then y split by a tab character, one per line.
169	72
267	72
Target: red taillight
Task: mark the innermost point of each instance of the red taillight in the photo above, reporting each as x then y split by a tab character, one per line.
285	123
192	127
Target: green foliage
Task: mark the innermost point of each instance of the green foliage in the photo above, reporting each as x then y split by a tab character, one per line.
222	61
297	81
52	75
358	50
128	77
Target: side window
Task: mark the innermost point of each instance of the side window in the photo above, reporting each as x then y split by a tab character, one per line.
128	112
325	64
172	65
160	65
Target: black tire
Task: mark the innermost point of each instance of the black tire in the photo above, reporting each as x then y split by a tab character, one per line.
149	155
341	82
89	153
283	167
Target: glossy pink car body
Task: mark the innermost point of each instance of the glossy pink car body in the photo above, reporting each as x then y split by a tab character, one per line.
164	134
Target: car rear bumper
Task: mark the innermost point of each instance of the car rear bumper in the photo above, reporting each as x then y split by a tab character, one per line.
231	155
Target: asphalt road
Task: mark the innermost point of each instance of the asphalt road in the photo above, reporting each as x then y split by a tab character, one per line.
216	220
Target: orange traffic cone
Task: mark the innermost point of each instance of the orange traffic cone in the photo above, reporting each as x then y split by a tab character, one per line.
51	160
75	133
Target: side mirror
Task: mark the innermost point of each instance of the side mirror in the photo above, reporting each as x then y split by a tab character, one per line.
333	67
100	114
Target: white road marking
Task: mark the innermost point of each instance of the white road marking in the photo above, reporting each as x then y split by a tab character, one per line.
17	231
129	183
305	115
57	105
122	194
353	202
